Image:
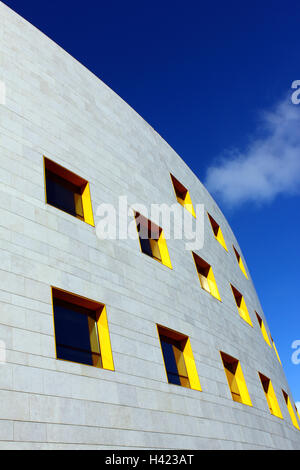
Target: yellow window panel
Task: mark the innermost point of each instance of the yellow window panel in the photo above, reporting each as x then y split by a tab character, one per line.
276	352
204	282
240	262
94	339
212	284
243	269
188	204
242	386
235	392
236	379
217	231
243	311
263	330
290	409
87	205
220	239
270	396
206	276
155	249
191	366
104	338
182	195
78	205
163	248
241	305
181	367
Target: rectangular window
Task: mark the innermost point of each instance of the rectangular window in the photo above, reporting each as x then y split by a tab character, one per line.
236	380
240	262
182	195
290	409
217	231
152	240
241	305
178	358
81	330
263	330
206	276
68	192
270	395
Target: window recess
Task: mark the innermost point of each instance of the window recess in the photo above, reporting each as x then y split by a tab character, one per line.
206	276
240	262
241	305
81	330
68	192
290	409
263	330
270	395
152	240
183	195
178	358
236	380
217	231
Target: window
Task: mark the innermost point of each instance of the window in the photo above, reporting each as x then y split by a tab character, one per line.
263	329
290	409
81	330
270	395
182	195
275	349
241	305
217	231
236	380
152	240
68	192
178	358
206	276
240	261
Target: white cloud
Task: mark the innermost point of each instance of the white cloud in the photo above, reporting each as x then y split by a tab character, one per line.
269	167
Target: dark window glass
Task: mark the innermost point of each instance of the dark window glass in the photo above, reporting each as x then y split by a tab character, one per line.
180	190
63	194
214	225
149	234
237	296
175	376
76	333
180	193
145	246
170	362
231	366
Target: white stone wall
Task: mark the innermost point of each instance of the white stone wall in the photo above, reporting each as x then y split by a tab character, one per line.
55	107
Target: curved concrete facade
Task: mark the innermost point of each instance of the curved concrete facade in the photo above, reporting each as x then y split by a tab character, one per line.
54	107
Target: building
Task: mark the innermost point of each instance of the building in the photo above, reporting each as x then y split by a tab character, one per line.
117	343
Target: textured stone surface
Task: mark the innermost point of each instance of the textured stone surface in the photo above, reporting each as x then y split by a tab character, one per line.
57	108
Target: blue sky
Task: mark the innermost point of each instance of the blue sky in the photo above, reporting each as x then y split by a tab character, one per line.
214	79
